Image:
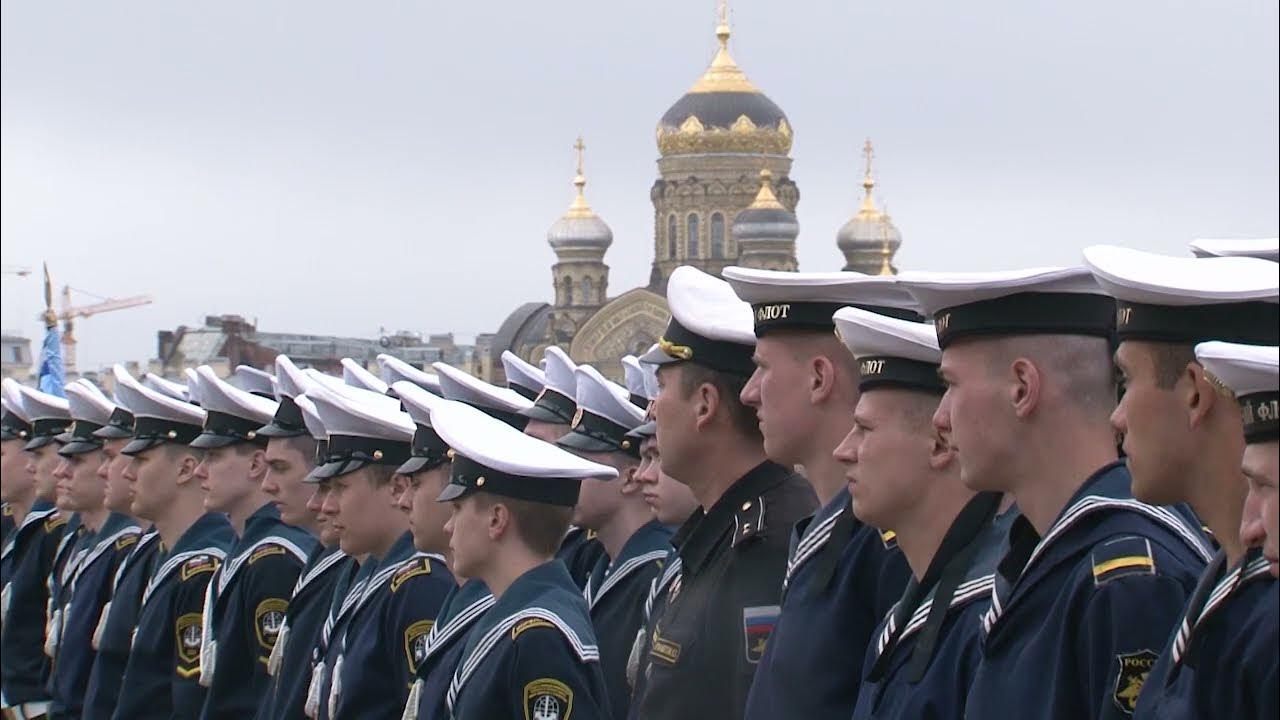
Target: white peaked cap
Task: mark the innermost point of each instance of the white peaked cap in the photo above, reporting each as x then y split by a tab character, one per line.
526	375
495	444
463	387
217	395
311	417
89	403
866	333
709	307
601	396
355	375
290	380
418	401
251	379
1151	278
937	291
144	401
559	371
634	374
43	406
344	415
1246	369
1264	248
395	370
13	398
177	391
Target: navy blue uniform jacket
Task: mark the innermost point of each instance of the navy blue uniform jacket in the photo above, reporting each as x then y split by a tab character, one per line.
464	606
113	637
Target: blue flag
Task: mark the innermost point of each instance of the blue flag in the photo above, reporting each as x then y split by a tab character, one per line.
52	375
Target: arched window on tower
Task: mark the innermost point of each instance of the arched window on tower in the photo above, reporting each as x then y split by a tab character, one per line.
566	286
588	292
717	235
692	229
672	249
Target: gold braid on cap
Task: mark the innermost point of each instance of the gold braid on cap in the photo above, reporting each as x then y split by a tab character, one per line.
682	352
1221	387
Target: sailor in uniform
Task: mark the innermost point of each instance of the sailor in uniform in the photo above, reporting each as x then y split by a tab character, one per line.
719	616
902	474
113	634
636	544
381	645
1249	377
534	653
1184	443
161	678
110	536
246	601
842	575
1093	580
24	666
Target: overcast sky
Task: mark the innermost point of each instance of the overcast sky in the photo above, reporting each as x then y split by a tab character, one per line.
337	167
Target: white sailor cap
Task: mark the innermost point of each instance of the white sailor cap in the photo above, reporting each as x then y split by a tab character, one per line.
91	410
316	430
360	433
120	425
1189	300
605	416
1262	248
50	416
635	375
502	403
14	422
555	403
193	386
252	380
177	391
806	301
232	415
428	450
355	375
395	370
649	428
891	353
1252	372
330	381
490	456
289	383
525	378
158	418
1036	301
709	325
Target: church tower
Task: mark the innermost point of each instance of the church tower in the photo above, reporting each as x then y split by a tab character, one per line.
713	143
766	231
869	240
580	239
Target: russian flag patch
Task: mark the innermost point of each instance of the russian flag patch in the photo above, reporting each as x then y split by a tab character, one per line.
757	626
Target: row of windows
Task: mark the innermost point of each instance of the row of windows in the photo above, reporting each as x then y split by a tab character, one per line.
587	292
694	237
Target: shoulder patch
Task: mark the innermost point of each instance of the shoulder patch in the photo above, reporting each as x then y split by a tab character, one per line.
188	631
1131	673
53	522
547	699
415	642
268	618
529	624
126	541
266	551
757	626
197	565
1122	557
411	569
660	648
748	521
890	539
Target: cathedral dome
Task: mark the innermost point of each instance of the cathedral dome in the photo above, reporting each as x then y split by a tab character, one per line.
870	239
580	228
724	113
765	218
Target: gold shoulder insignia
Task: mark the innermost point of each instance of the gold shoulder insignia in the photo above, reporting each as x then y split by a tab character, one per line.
1122	557
198	565
890	539
529	624
265	551
8	510
591	535
126	541
421	566
547	699
749	521
53	522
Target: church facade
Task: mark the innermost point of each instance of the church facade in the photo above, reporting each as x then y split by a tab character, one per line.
724	196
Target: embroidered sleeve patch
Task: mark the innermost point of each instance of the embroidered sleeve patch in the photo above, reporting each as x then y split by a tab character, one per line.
757	626
265	551
1121	558
268	618
188	631
529	624
663	649
1132	671
126	541
197	565
547	699
410	570
415	643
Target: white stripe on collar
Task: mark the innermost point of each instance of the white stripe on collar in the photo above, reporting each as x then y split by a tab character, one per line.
440	636
619	573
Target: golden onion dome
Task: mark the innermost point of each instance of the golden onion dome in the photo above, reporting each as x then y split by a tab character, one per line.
724	112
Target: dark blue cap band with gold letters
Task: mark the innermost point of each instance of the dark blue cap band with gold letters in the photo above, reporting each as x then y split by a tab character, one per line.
1029	313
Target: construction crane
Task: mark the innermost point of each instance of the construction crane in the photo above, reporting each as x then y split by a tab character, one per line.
70	312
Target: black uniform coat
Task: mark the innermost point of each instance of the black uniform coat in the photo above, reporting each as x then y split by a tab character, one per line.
533	655
292	657
23	664
445	643
113	637
720	614
347	594
655	603
1221	661
842	577
579	551
161	679
1078	616
245	605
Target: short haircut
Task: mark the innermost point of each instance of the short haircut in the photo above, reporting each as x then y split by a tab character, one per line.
741	417
540	526
1082	366
1169	361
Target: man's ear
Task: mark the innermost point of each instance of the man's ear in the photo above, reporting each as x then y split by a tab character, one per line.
258	465
499	521
706	403
822	379
628	477
1197	394
187	468
399	485
941	454
1027	385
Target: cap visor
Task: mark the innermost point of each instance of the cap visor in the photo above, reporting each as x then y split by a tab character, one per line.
210	441
140	445
452	492
37	443
647	430
6	435
78	447
542	414
584	443
657	357
275	431
413	465
111	432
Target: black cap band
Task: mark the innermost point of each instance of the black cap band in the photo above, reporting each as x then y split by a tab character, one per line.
638	400
287	422
119	425
595	433
1261	415
814	316
469	477
1248	323
681	344
81	439
14	427
429	451
1029	313
149	432
223	429
895	372
552	406
527	393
